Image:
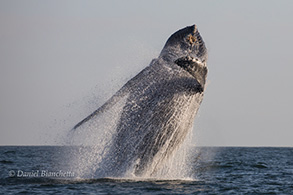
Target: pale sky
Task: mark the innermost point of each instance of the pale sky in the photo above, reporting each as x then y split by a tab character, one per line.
60	60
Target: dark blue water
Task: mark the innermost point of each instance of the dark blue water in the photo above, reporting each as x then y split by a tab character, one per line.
236	170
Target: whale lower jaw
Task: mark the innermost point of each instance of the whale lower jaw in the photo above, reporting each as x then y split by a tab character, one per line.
195	67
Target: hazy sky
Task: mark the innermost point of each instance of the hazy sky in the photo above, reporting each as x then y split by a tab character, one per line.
60	60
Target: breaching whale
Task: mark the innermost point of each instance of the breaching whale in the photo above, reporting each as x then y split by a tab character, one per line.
161	103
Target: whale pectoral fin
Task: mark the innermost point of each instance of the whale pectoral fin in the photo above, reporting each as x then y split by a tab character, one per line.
111	102
125	90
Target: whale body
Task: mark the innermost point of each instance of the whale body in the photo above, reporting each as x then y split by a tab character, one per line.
160	106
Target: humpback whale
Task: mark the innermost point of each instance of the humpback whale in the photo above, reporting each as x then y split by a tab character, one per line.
160	106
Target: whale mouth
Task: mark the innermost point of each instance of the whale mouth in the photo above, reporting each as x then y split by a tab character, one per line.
193	66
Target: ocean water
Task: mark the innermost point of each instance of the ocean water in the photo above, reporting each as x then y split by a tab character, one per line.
215	170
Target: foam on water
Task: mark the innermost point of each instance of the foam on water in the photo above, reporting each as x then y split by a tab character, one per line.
232	170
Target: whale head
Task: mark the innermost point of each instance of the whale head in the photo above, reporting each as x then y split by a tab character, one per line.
186	42
186	49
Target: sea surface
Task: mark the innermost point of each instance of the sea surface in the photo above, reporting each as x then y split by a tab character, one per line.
216	170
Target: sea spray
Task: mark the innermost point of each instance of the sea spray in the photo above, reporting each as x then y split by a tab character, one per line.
93	142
